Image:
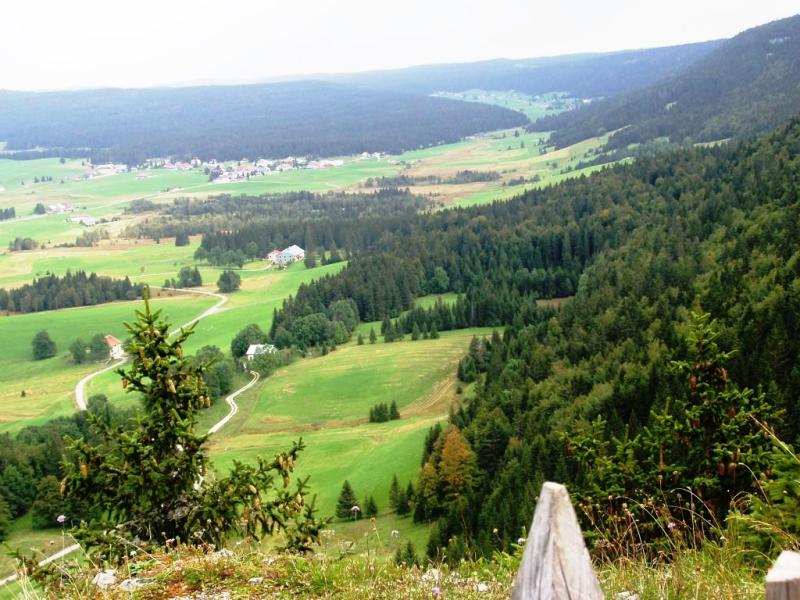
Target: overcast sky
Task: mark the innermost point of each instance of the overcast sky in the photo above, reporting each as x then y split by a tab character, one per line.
58	44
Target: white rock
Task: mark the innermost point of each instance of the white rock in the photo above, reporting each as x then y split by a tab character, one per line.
626	596
133	584
105	579
255	580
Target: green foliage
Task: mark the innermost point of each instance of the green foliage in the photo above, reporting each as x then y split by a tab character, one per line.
98	349
79	351
152	482
267	363
251	334
182	238
43	346
218	371
347	504
370	507
5	519
49	504
382	412
407	556
229	281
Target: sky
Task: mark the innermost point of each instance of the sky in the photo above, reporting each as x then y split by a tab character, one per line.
58	44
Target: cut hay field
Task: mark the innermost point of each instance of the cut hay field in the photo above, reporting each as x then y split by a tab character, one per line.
326	401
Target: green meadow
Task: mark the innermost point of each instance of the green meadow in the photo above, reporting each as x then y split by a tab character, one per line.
49	384
326	401
533	107
260	294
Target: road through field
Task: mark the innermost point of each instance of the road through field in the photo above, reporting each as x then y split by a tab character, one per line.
80	389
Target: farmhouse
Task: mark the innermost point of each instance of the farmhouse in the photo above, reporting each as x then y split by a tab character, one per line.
115	350
290	254
255	349
273	256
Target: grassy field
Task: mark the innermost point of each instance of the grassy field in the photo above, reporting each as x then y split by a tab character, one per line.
261	292
514	153
326	401
49	384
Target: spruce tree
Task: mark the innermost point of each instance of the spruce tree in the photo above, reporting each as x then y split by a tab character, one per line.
434	332
415	333
152	482
394	493
372	336
393	412
371	507
346	502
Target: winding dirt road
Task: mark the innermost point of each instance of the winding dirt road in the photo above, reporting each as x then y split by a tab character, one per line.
80	389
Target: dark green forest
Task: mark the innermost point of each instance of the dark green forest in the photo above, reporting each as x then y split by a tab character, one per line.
748	85
52	292
640	247
580	75
230	122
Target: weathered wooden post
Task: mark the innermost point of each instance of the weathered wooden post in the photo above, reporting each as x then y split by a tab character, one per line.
783	579
556	564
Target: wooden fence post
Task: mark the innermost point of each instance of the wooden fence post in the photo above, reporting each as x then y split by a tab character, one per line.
556	564
783	579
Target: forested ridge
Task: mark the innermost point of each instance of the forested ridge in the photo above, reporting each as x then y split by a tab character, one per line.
748	85
640	246
581	75
231	122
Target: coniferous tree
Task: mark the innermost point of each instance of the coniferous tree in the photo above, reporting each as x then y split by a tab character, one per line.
394	493
393	412
372	337
347	502
153	483
371	507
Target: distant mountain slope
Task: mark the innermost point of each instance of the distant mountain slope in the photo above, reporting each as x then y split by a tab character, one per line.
583	75
231	122
748	85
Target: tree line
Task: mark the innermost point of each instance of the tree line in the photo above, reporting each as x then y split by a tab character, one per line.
631	244
53	292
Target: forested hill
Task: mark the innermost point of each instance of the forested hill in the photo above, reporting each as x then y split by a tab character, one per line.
581	75
640	246
748	85
231	122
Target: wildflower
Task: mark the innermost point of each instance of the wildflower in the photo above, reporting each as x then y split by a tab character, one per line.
494	531
437	593
521	541
61	519
671	525
482	587
355	509
395	533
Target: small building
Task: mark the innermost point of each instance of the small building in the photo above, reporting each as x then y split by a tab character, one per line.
290	254
86	220
273	256
115	349
255	349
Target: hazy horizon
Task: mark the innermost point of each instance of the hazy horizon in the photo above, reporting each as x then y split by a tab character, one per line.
59	46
